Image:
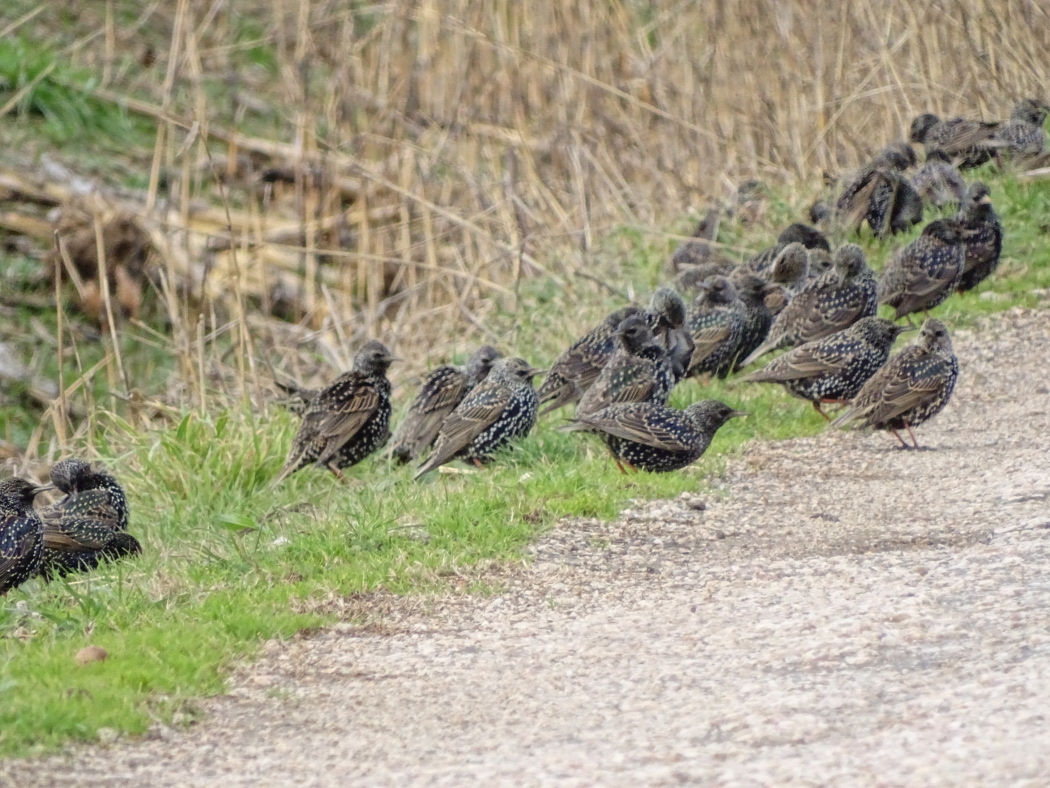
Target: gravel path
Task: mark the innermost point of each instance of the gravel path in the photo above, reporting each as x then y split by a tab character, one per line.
839	612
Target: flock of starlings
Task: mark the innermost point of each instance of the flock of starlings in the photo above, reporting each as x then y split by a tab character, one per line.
796	294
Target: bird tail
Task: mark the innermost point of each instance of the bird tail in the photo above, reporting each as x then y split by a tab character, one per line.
761	350
290	467
845	417
432	462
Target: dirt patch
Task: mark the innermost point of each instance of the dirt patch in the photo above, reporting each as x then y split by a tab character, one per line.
838	611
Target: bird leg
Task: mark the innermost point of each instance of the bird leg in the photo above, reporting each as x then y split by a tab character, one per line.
823	415
913	440
478	463
338	473
619	465
898	437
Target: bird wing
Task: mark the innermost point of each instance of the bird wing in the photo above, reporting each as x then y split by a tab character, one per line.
12	552
810	360
476	413
340	414
639	425
706	340
908	384
852	205
440	393
81	521
959	134
625	378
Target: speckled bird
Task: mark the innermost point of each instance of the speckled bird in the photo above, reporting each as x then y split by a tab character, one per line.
1023	134
913	386
655	438
938	182
347	420
716	324
639	371
881	195
443	389
573	372
21	532
689	280
758	317
790	269
832	303
961	138
809	237
88	524
834	368
702	249
982	235
926	271
500	409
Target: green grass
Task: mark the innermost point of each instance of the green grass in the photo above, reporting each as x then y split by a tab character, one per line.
230	561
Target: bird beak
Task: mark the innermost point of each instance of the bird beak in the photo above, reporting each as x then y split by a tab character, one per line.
738	414
905	329
42	488
534	371
986	199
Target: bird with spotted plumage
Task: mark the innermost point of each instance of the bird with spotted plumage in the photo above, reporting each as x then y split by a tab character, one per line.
924	273
809	237
573	372
962	139
913	386
881	195
832	369
498	411
442	390
754	293
716	324
982	235
89	524
702	248
21	532
790	269
837	300
655	438
347	420
639	371
1022	135
938	182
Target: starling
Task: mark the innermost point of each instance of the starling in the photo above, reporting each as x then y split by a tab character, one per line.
1023	134
982	235
21	532
881	195
347	420
498	410
656	438
88	524
911	388
938	182
960	138
690	279
639	371
834	368
702	248
716	325
837	300
442	391
573	372
809	237
758	318
790	269
926	271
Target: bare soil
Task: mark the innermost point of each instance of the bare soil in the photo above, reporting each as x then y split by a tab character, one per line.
837	612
